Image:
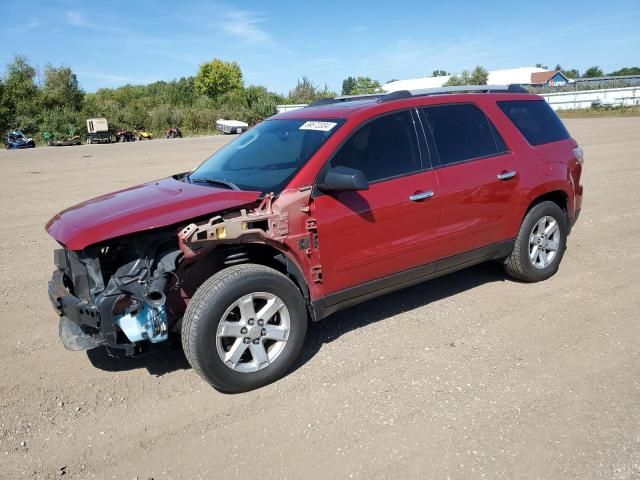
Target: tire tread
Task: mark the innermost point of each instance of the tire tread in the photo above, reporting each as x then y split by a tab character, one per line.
517	262
205	294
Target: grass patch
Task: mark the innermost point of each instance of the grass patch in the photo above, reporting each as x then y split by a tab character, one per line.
600	112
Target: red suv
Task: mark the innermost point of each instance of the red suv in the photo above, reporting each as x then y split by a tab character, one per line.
312	211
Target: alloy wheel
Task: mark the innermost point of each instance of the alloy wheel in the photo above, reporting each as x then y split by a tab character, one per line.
544	242
253	332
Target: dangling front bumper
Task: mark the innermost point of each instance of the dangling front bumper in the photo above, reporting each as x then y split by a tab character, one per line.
84	323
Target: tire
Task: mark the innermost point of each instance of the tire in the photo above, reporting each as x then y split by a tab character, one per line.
531	264
216	306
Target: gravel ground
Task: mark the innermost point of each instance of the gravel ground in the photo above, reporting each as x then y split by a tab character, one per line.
467	376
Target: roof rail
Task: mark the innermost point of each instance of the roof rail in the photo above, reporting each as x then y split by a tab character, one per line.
345	98
387	97
453	89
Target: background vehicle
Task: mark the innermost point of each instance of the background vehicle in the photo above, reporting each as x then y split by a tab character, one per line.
123	135
142	134
52	141
231	126
17	139
98	130
607	103
173	133
313	211
66	141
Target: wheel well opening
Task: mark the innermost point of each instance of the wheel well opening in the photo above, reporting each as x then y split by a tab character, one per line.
558	197
266	255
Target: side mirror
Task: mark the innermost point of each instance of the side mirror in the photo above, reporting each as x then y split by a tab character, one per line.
343	179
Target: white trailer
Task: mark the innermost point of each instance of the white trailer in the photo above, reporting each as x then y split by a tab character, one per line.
98	129
231	126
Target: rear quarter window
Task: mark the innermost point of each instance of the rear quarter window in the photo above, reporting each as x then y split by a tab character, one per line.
536	120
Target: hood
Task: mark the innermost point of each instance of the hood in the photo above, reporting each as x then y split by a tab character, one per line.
144	207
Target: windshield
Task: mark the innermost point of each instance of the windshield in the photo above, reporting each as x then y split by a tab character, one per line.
268	156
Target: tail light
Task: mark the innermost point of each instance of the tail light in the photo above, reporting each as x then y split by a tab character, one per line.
578	152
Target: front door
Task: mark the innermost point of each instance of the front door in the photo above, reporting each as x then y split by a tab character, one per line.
390	227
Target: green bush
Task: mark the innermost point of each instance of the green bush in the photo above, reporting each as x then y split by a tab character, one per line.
59	107
62	122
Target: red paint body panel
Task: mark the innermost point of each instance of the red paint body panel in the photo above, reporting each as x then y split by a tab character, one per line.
553	168
143	207
373	233
476	205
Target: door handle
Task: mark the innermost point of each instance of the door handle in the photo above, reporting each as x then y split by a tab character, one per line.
507	175
416	197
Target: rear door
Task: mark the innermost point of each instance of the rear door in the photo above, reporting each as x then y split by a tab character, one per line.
477	174
390	227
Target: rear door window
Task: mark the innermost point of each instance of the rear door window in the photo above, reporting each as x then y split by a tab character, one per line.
462	132
383	148
536	121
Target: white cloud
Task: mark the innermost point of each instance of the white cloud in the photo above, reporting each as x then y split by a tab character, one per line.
246	26
408	58
102	24
77	19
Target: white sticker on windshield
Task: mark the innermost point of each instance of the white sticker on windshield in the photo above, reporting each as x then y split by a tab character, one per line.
320	126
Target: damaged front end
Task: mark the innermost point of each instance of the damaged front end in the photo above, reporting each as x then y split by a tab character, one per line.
261	223
115	294
130	292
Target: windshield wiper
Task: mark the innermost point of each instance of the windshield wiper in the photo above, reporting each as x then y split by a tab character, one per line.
216	181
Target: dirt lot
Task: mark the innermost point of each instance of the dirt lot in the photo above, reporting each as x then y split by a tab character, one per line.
468	376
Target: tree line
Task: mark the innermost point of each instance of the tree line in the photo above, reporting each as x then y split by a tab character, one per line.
51	100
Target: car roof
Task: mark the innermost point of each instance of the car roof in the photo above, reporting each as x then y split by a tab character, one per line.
348	107
332	110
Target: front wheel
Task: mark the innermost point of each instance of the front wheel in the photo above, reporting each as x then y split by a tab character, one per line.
244	327
540	244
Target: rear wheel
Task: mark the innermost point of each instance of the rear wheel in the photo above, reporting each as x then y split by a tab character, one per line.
244	327
540	244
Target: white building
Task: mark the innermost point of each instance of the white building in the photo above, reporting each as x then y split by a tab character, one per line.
518	76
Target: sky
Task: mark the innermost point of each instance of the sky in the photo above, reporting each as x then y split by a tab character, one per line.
108	44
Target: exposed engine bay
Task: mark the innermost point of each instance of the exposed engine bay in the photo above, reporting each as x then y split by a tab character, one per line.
132	291
115	293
